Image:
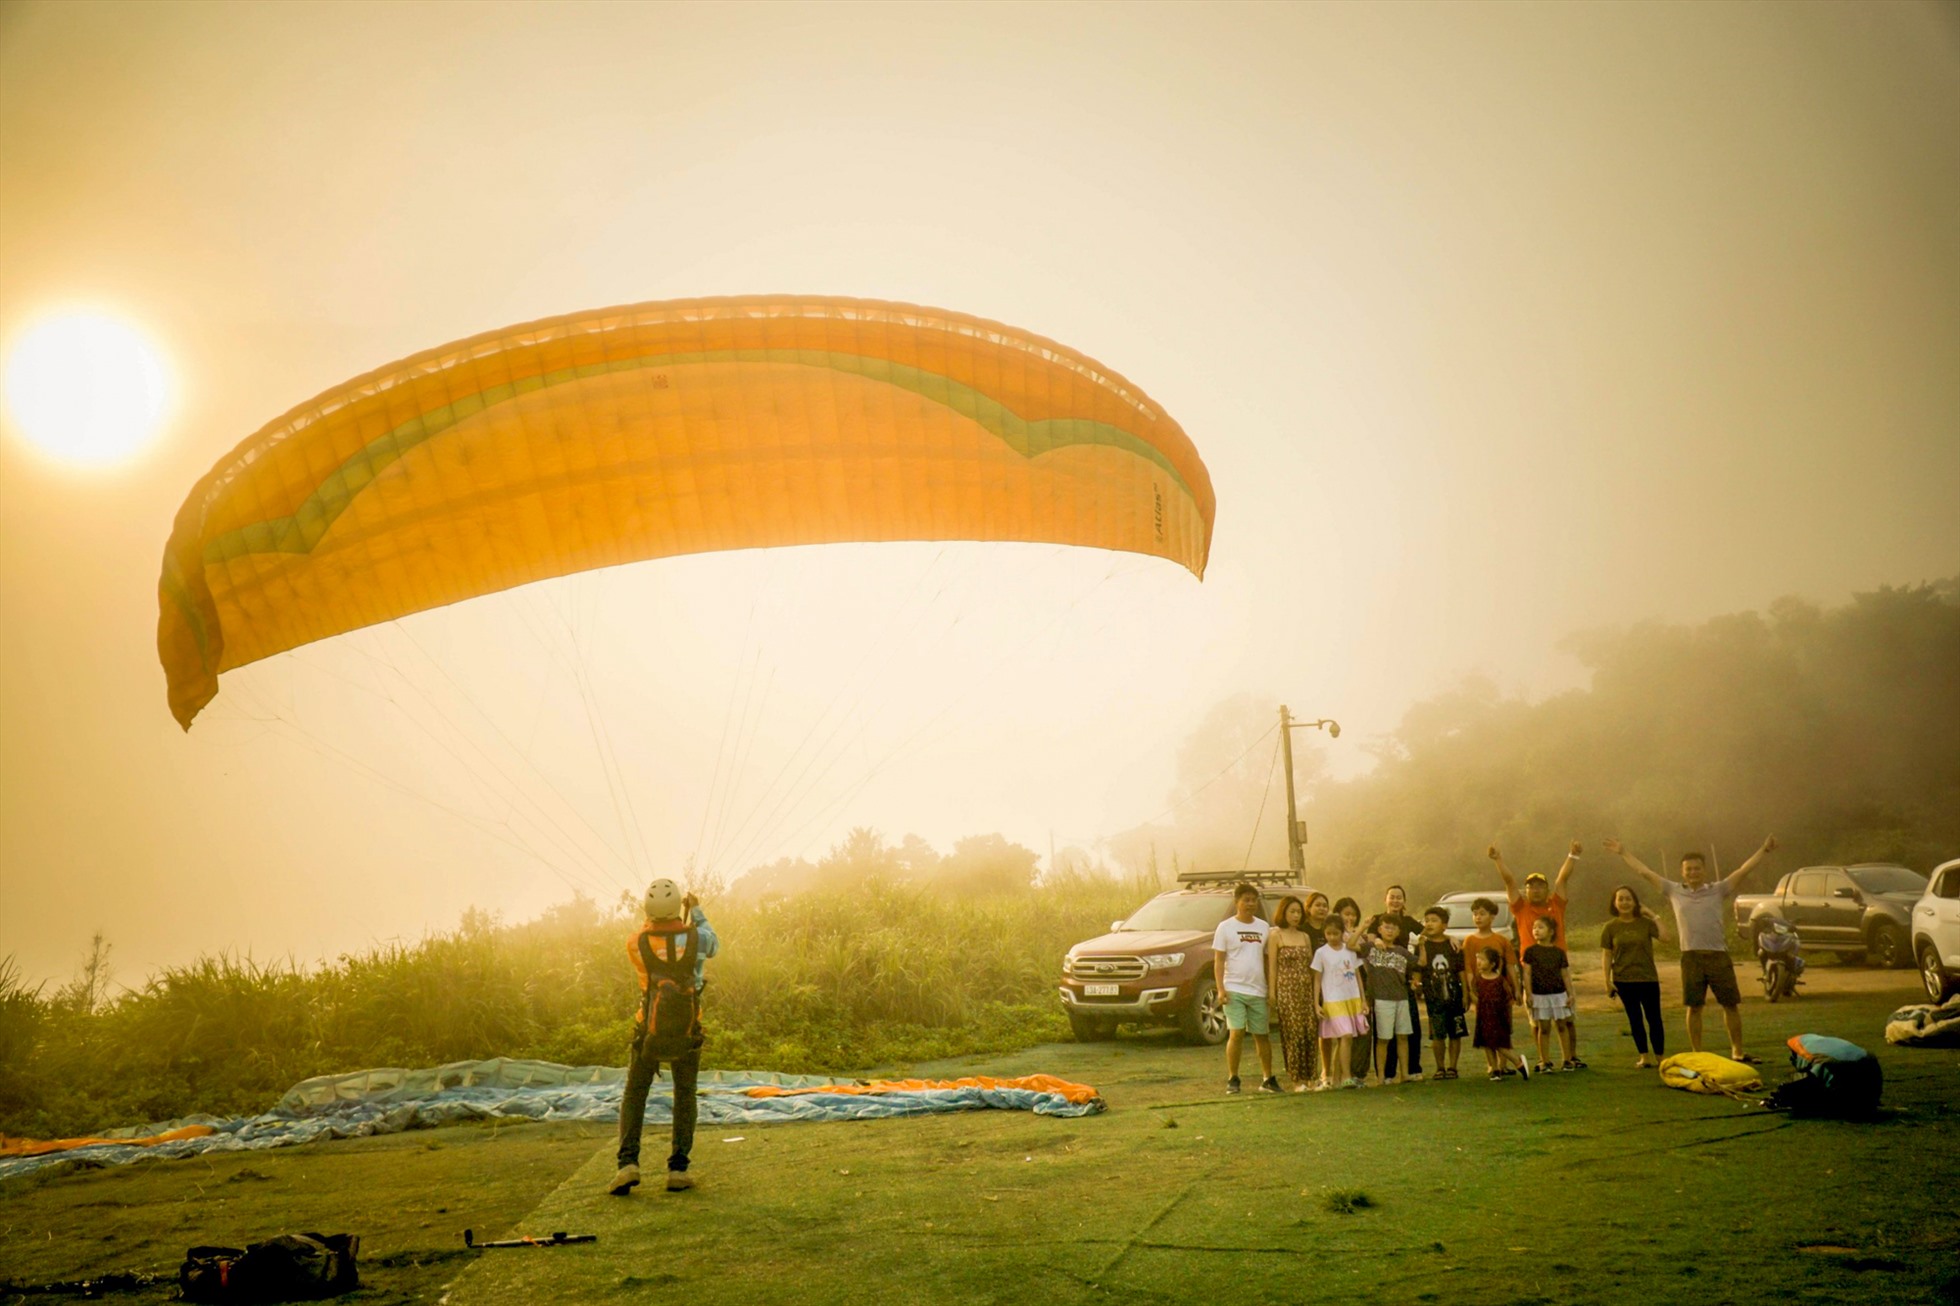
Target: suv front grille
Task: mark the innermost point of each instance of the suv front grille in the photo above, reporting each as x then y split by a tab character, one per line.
1099	969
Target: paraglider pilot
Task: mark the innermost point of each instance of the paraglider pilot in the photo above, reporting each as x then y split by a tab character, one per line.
668	951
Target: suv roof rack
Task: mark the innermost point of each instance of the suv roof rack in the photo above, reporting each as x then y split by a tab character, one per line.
1236	877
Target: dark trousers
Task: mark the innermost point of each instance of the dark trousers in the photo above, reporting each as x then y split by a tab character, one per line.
640	1072
1642	1001
1392	1057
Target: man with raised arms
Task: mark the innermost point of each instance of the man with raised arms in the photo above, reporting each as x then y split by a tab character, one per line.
1699	909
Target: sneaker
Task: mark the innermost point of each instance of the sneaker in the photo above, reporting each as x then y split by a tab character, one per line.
625	1181
1576	1064
1495	1076
1545	1067
1232	1084
1566	1065
1269	1085
1524	1072
1299	1088
679	1181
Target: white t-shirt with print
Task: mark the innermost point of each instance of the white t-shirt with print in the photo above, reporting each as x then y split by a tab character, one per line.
1244	946
1340	978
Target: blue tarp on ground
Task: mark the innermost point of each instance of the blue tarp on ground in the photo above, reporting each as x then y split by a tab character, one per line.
387	1101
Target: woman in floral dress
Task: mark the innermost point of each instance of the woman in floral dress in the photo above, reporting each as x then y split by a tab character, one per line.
1289	978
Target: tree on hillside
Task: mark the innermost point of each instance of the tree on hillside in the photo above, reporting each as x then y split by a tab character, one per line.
1831	727
984	864
783	878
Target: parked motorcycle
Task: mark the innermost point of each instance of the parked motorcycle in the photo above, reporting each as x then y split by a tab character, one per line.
1779	953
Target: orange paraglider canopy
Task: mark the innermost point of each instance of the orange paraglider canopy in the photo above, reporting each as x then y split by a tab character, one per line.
654	430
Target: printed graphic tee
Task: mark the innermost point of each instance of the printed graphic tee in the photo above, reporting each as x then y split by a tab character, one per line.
1442	973
1339	980
1244	946
1388	973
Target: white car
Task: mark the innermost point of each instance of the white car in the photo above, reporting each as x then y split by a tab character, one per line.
1936	932
1460	926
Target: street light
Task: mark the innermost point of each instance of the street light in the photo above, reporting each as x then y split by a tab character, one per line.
1296	829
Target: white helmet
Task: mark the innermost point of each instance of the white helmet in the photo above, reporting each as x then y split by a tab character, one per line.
663	900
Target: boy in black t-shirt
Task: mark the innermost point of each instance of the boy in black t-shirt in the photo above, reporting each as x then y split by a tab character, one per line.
1441	964
1550	995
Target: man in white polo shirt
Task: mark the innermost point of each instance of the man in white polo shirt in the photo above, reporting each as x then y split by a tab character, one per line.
1699	911
1238	967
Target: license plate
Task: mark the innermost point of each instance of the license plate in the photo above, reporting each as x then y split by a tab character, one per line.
1100	990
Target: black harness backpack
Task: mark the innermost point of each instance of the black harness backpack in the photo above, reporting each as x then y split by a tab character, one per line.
670	1009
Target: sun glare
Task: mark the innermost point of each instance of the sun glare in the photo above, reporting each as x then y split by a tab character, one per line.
87	388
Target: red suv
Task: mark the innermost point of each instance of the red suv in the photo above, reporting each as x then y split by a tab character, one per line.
1155	967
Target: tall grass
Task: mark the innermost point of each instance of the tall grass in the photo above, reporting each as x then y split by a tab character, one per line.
834	982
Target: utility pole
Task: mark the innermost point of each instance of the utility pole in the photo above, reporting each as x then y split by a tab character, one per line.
1296	829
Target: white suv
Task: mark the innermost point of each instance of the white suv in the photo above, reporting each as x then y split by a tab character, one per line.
1936	932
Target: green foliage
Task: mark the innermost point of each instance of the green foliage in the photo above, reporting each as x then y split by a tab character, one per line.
836	981
1346	1201
1830	728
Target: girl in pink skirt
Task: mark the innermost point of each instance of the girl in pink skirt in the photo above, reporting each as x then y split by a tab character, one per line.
1343	1010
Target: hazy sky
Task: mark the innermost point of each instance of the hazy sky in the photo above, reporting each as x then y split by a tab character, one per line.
1491	322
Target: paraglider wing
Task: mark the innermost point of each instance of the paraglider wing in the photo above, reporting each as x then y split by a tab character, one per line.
653	430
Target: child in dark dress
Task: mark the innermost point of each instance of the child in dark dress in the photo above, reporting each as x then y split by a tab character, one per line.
1495	994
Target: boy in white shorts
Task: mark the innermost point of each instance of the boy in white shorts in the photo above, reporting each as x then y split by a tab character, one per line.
1550	995
1392	977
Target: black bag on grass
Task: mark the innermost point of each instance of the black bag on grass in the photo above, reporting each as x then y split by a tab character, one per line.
291	1267
1834	1079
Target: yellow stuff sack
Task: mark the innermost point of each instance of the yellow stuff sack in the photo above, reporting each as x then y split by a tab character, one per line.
1704	1072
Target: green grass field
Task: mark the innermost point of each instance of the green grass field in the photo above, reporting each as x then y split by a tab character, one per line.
1595	1186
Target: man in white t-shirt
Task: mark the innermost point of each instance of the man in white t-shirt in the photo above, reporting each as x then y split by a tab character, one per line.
1238	967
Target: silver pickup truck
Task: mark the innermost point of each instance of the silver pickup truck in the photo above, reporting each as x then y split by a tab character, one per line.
1862	911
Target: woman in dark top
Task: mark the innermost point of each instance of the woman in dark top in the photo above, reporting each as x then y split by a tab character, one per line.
1626	955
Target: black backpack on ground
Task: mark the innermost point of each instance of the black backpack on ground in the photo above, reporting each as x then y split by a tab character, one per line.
290	1267
1834	1079
670	1010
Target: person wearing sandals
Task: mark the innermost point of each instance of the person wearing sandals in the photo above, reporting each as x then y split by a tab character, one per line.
1361	1053
1392	977
1441	963
1551	995
1338	997
1494	992
1289	978
1626	955
1395	903
1699	911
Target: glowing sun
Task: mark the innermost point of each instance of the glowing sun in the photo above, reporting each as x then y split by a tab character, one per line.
87	388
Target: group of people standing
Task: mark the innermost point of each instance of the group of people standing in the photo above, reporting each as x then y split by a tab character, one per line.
1348	996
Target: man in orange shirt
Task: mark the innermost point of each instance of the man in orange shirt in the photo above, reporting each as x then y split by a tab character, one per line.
1539	899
